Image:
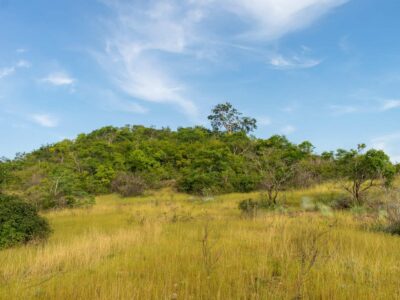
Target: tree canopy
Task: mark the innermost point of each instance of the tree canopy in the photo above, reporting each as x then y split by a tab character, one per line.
225	117
192	159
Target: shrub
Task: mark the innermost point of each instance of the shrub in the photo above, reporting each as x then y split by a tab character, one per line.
128	184
393	214
248	206
342	203
20	222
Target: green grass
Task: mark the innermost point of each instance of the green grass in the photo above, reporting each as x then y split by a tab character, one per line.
154	247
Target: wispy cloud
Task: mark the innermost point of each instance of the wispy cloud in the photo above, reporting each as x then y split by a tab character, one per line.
147	41
4	72
129	56
390	104
287	63
58	79
45	120
7	71
271	19
373	106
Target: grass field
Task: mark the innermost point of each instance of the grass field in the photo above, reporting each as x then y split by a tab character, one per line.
174	246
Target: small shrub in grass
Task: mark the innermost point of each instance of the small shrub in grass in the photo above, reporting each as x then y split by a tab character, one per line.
393	215
128	184
20	222
249	206
342	203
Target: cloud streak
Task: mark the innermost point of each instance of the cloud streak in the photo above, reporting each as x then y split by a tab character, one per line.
7	71
390	104
289	63
58	79
45	120
148	41
271	19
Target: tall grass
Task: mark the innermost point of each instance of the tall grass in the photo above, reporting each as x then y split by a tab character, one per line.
173	246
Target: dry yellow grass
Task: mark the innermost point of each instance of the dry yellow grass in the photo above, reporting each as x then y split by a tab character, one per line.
154	247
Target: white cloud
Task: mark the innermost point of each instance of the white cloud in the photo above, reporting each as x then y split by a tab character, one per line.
4	72
272	19
288	129
146	38
286	63
135	39
390	104
7	71
390	144
59	79
23	64
21	50
45	120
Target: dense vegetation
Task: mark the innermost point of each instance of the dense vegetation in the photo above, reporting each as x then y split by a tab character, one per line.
20	222
194	160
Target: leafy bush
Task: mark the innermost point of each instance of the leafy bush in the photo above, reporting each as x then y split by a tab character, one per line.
248	206
20	222
393	213
128	184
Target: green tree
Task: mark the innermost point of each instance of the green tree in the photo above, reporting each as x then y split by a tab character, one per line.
4	173
225	116
275	168
362	171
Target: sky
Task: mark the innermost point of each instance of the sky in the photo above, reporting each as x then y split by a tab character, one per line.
327	71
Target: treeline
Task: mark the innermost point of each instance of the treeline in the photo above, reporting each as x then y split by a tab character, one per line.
193	160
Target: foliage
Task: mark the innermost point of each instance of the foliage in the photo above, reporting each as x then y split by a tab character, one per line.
363	171
393	212
248	206
276	160
195	160
225	116
20	222
251	206
4	172
128	184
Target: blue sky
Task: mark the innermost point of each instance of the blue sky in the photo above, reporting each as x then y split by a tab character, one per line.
327	71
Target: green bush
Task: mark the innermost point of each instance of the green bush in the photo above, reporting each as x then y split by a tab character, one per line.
20	222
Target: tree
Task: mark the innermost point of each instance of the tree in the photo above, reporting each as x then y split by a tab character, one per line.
4	173
225	116
362	171
275	169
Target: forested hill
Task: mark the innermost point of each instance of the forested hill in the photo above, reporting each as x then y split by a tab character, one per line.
196	160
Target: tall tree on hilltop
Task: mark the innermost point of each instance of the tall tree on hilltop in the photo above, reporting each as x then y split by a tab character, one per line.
225	117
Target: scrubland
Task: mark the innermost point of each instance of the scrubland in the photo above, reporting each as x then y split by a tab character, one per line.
166	245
